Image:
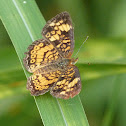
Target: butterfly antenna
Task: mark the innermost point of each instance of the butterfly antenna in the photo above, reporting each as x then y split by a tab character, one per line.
81	46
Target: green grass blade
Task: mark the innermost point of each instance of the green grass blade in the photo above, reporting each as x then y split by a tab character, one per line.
23	22
111	110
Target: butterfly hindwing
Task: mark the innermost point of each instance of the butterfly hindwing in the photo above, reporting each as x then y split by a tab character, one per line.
59	32
40	53
40	83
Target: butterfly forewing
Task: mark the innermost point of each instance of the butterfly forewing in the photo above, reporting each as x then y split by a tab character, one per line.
68	84
59	32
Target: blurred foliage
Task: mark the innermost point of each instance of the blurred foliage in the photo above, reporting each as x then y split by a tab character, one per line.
102	64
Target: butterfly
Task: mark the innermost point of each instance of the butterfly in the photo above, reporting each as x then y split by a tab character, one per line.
49	59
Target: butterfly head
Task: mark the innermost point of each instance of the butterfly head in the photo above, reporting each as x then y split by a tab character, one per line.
73	61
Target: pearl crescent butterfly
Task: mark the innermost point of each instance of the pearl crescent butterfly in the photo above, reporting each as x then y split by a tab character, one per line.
50	61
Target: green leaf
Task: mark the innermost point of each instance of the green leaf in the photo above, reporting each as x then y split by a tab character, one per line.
23	22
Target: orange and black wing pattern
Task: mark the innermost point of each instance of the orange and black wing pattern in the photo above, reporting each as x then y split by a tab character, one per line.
49	60
40	53
68	84
59	32
39	83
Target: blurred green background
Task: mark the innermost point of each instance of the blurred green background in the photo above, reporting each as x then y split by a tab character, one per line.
101	64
